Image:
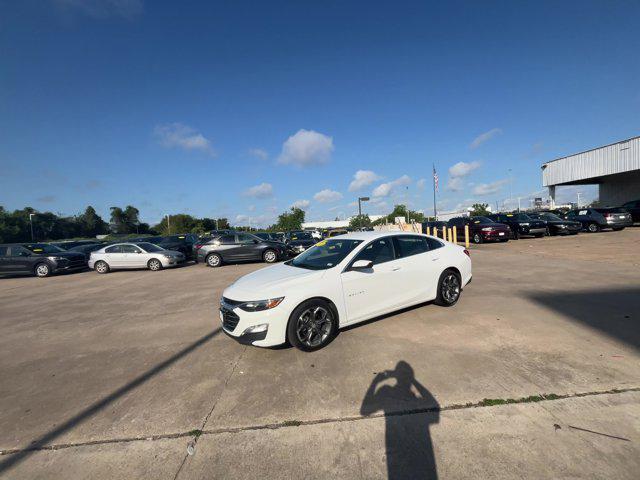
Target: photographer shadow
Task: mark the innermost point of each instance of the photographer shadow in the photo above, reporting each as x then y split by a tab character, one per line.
409	409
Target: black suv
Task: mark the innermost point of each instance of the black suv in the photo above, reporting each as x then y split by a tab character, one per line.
299	242
596	219
182	243
634	209
39	259
520	224
557	225
239	246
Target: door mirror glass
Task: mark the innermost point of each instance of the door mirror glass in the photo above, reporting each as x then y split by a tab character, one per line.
362	265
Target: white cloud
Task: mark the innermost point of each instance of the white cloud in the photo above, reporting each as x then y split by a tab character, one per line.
177	135
384	189
258	153
489	188
302	204
263	190
421	183
455	184
103	8
327	196
484	137
363	178
306	148
462	169
254	221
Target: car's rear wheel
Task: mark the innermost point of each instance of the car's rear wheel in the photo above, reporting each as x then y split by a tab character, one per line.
42	270
477	238
101	267
593	228
154	264
214	260
449	289
269	256
312	325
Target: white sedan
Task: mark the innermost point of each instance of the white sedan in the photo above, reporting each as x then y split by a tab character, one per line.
342	281
133	255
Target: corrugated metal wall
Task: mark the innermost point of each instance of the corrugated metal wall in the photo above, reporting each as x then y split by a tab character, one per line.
617	158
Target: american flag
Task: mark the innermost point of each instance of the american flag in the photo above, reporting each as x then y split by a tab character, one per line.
435	178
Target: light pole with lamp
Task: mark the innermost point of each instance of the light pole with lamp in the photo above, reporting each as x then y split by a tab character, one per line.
360	200
31	215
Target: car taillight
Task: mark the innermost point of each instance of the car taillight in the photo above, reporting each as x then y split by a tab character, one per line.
467	253
197	247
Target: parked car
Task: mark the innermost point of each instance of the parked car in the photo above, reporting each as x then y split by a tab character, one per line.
342	281
198	245
267	236
68	245
520	224
87	249
634	209
335	232
39	259
240	246
134	255
217	233
182	243
596	219
481	229
433	224
300	242
556	225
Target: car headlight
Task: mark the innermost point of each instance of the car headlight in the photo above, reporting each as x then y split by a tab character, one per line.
56	259
487	229
263	327
259	305
526	224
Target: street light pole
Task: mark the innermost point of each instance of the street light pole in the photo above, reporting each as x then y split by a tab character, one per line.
168	224
360	200
31	215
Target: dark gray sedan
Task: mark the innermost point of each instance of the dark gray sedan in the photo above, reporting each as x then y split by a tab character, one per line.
237	246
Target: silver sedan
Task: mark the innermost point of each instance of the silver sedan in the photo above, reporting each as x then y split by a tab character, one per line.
133	255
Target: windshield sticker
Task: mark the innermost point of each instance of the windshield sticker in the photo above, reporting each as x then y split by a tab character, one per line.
477	221
509	214
321	244
582	212
181	237
37	250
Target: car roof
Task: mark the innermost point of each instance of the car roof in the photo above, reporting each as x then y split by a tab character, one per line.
368	235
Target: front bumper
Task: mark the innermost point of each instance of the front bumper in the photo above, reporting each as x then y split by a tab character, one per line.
172	261
532	231
494	236
276	320
69	266
618	224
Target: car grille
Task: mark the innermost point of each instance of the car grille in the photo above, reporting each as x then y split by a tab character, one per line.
229	320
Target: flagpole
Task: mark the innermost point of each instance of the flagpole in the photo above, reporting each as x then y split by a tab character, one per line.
435	210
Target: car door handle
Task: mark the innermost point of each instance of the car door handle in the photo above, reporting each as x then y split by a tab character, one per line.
395	269
434	259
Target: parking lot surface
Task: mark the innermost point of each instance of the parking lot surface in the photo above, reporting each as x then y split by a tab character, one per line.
114	376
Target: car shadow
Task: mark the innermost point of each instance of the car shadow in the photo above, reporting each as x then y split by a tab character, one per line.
409	410
614	312
385	316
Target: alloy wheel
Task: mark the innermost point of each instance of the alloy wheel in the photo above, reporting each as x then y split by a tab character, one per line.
213	260
314	326
270	256
42	270
155	265
101	267
450	288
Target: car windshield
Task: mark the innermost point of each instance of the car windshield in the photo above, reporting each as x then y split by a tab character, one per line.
149	247
43	248
325	254
520	217
481	220
550	216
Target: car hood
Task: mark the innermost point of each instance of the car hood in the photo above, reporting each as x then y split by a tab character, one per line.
172	253
304	242
270	281
497	226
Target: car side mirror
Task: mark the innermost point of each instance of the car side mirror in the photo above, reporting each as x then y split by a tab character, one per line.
362	265
256	241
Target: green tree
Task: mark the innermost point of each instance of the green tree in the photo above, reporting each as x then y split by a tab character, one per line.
290	220
91	224
401	211
480	209
118	221
360	221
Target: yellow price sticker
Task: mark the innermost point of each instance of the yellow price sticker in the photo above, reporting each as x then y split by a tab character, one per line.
37	250
509	214
477	221
321	243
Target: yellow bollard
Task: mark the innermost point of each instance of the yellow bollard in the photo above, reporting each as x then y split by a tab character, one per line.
450	235
455	235
428	230
466	236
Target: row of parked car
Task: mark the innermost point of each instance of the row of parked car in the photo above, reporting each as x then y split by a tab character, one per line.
505	226
154	253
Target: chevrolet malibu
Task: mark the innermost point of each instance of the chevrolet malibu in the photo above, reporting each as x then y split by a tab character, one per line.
342	281
133	255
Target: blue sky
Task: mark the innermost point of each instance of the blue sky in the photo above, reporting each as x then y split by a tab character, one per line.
241	109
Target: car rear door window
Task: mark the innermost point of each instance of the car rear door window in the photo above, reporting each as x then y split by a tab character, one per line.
4	251
130	249
244	239
378	251
409	245
114	249
227	240
434	244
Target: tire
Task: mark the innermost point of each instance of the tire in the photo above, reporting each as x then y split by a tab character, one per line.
154	265
477	238
593	228
213	260
548	232
270	256
42	270
449	289
101	267
515	235
307	335
617	229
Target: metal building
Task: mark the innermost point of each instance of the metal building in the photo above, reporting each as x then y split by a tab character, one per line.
614	168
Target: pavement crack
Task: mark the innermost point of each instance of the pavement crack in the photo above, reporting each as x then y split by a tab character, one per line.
302	423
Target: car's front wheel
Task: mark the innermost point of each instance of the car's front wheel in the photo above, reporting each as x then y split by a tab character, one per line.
269	256
154	265
312	325
42	270
101	267
593	228
477	238
449	289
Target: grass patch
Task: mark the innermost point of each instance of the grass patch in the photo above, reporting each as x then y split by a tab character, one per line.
490	402
291	423
195	433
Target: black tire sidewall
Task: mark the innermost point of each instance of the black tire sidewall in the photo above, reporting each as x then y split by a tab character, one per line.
292	337
439	298
211	255
479	238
